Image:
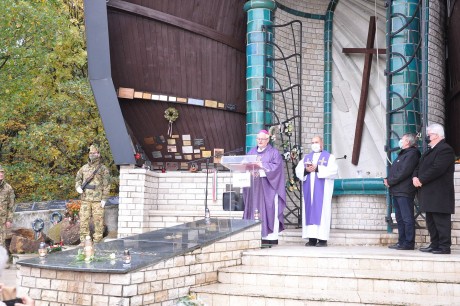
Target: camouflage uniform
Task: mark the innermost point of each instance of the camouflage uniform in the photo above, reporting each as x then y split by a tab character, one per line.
93	195
6	207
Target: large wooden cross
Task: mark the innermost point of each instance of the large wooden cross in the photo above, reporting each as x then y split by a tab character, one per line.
369	51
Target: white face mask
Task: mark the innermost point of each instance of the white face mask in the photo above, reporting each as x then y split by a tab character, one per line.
400	143
315	147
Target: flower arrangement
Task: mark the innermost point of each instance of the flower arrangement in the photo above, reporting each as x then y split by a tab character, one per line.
171	114
54	248
190	300
80	257
72	210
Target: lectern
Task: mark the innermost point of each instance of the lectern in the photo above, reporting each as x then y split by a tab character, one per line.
241	167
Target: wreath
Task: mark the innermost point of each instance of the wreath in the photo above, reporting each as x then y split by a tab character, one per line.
171	114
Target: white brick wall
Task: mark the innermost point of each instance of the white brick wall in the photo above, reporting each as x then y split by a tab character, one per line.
152	200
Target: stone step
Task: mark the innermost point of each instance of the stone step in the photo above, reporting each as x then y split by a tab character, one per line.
353	258
343	279
342	237
248	295
337	275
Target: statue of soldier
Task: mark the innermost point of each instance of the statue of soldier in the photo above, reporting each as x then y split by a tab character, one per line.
93	184
6	206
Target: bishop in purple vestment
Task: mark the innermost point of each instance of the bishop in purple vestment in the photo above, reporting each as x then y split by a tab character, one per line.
267	192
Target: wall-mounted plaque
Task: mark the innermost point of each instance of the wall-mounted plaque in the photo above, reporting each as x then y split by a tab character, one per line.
172	149
146	95
187	149
218	153
171	141
231	107
126	93
182	100
158	165
210	103
160	139
184	166
168	156
138	94
178	156
206	153
157	154
188	157
186	137
149	140
172	99
175	136
187	143
198	142
220	105
172	166
198	102
197	151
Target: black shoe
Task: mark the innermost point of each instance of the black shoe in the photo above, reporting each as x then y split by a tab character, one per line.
402	247
427	249
273	242
441	251
311	242
322	243
265	241
394	246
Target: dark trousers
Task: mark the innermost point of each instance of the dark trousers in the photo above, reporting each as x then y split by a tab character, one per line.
440	228
404	211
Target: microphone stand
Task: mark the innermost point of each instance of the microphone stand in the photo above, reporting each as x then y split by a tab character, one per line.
207	214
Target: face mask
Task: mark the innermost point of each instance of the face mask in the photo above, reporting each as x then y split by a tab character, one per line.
400	143
427	139
93	157
315	147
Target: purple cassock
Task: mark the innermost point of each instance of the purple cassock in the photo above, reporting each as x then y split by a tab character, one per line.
261	194
313	210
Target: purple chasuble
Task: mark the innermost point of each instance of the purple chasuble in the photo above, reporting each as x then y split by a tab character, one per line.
262	192
314	210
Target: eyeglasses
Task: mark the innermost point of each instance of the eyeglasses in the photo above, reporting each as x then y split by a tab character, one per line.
260	139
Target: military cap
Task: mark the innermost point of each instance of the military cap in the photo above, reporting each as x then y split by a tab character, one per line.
93	149
1	169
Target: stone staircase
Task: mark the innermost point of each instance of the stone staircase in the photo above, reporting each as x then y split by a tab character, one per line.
360	273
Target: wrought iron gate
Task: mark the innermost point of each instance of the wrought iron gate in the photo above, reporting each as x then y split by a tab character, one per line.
282	90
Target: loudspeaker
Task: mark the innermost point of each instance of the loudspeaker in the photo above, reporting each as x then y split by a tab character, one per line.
236	200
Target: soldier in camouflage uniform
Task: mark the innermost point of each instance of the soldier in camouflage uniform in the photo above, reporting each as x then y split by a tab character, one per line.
6	206
94	195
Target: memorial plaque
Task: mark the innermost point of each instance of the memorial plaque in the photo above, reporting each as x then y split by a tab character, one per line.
126	93
41	206
24	207
57	204
231	107
198	142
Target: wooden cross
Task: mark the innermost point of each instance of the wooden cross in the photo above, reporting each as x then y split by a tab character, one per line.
369	51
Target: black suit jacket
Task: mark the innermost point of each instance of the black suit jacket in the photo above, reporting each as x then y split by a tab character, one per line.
435	171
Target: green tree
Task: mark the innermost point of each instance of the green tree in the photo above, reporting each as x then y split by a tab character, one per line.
48	117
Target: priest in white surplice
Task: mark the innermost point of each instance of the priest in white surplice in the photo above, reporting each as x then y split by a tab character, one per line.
317	170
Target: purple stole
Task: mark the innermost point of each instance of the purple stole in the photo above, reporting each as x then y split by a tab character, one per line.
313	212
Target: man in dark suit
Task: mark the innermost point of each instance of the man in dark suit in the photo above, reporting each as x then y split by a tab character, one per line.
434	178
402	190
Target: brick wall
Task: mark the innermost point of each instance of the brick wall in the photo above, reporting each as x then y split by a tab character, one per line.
159	284
151	200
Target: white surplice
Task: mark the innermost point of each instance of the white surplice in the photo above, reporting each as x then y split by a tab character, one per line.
329	173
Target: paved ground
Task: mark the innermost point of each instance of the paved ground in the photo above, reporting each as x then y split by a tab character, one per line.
8	276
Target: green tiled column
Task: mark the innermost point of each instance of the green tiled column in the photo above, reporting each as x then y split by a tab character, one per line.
260	13
405	82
